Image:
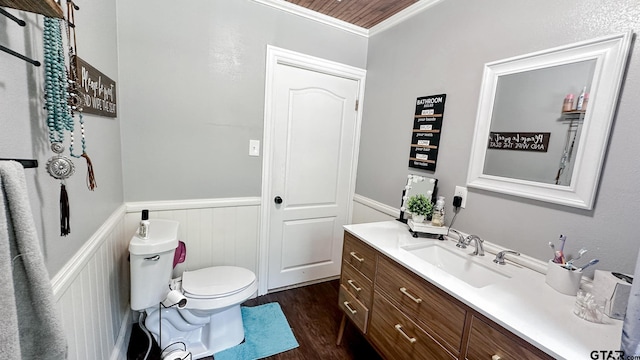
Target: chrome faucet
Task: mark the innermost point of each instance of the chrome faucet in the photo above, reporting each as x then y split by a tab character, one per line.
460	243
479	249
500	256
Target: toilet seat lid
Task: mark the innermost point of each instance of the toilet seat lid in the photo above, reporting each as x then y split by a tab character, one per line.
217	281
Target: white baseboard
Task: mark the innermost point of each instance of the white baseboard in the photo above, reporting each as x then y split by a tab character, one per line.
124	335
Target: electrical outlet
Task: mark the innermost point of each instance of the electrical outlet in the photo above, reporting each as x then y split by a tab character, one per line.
462	192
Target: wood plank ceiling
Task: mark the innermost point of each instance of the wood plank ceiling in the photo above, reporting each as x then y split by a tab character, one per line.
363	13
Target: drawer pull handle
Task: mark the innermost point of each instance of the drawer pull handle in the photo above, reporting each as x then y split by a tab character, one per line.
355	256
399	328
404	291
353	285
352	311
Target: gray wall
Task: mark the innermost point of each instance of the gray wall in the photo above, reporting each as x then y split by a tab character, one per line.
24	135
192	80
443	50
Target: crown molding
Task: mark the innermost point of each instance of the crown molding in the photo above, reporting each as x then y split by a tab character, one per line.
343	25
403	15
314	15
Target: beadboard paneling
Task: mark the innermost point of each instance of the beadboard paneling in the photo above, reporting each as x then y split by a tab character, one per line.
215	231
92	289
92	294
367	210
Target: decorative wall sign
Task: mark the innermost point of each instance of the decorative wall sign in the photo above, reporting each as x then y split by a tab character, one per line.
427	125
524	141
98	90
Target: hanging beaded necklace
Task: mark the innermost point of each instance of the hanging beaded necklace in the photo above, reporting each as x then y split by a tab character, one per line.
75	99
59	116
62	101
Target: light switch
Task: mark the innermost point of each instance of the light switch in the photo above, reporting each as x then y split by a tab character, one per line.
254	147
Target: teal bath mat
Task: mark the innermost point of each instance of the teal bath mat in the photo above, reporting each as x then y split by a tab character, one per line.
266	333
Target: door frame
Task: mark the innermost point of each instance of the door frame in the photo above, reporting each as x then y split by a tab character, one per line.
278	56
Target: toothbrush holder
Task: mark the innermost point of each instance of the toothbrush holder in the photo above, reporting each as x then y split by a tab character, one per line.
563	280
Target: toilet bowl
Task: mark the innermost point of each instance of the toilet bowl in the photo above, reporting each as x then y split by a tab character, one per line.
210	320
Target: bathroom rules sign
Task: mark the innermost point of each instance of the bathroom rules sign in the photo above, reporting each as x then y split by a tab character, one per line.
427	125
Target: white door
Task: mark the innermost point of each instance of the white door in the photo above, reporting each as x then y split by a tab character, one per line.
313	148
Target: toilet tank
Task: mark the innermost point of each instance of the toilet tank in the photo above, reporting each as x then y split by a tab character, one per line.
151	262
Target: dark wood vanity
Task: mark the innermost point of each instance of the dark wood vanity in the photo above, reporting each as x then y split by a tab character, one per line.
406	317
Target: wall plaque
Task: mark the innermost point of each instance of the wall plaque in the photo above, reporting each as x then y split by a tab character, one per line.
98	91
427	125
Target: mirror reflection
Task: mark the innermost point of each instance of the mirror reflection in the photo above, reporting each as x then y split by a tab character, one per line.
417	184
533	133
527	141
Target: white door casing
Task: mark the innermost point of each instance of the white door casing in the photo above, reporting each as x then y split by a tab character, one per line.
311	138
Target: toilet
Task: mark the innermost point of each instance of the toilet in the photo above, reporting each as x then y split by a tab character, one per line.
197	313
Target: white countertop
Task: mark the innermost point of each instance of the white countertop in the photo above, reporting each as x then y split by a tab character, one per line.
524	304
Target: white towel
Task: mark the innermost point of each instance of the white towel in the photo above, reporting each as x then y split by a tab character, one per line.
631	324
31	328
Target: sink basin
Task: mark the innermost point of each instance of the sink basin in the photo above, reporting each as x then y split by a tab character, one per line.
467	268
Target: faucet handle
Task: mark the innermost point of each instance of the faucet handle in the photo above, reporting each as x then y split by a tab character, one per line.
500	256
460	243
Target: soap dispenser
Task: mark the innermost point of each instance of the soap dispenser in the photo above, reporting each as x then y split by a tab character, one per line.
437	219
143	230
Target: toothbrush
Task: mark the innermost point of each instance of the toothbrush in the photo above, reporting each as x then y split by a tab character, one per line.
558	258
592	262
563	239
580	253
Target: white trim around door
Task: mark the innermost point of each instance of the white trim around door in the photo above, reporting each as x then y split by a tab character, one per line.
278	56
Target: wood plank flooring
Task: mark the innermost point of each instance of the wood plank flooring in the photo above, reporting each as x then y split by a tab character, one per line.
313	314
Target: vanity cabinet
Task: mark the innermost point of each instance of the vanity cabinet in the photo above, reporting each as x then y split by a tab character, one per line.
356	282
487	339
406	317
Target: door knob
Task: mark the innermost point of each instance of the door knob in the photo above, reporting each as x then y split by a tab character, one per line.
278	200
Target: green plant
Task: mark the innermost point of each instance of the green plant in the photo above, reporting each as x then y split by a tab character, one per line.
419	205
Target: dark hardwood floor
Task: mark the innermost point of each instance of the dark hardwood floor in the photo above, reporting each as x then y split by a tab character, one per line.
313	314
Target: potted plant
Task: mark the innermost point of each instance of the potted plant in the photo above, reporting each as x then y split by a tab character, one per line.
420	207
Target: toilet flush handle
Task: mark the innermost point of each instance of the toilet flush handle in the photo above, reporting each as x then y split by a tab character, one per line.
153	258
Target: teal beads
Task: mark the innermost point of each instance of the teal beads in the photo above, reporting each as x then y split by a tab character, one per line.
59	118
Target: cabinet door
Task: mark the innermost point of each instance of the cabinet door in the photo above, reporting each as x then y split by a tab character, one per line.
431	307
486	341
397	337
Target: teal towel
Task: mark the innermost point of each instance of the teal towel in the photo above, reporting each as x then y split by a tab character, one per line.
266	333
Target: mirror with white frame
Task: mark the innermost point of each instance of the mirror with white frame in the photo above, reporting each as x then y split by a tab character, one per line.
525	143
417	184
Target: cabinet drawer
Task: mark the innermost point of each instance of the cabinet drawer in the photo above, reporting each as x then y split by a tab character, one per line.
359	255
486	341
397	337
431	308
357	284
355	310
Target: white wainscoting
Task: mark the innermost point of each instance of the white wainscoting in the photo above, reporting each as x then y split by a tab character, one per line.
92	294
92	290
367	210
215	231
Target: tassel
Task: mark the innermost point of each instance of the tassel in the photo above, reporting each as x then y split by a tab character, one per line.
91	178
65	229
